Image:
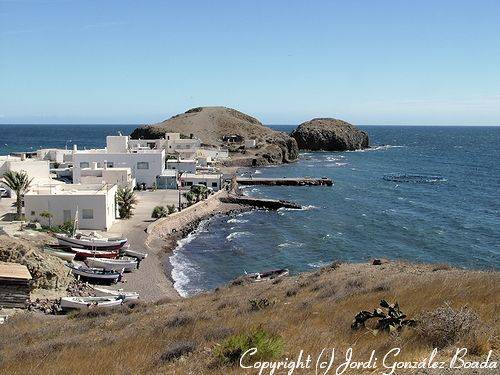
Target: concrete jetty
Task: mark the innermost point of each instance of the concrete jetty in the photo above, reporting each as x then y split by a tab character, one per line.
272	204
285	181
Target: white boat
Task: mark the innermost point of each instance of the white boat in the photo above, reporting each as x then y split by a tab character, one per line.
88	302
119	265
95	274
105	292
91	242
134	254
64	255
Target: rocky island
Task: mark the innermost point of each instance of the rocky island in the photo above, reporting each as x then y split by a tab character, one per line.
222	126
329	134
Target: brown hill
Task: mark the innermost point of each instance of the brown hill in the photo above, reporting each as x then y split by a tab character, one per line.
208	333
211	124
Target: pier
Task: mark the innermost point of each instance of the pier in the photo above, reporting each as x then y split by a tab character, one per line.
272	204
285	181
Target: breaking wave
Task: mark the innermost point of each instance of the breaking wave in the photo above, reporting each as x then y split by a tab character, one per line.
414	178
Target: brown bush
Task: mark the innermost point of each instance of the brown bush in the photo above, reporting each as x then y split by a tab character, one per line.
177	350
446	326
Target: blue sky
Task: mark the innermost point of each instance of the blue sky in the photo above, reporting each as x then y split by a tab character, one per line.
368	62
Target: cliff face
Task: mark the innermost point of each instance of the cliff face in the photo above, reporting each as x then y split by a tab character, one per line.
211	124
329	134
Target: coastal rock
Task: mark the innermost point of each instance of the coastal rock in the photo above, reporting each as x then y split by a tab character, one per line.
329	134
211	124
47	271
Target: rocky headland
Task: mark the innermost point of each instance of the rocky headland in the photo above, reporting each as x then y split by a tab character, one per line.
212	124
329	134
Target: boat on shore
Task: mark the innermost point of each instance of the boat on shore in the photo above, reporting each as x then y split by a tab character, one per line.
61	254
120	265
91	242
105	292
82	254
134	254
71	303
268	275
94	274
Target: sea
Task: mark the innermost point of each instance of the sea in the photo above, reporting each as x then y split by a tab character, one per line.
421	193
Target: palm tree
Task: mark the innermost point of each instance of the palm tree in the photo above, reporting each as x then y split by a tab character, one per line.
200	191
190	196
19	182
159	212
126	200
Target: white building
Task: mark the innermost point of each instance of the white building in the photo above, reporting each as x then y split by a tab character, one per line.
213	154
95	203
55	155
144	163
111	176
183	165
212	181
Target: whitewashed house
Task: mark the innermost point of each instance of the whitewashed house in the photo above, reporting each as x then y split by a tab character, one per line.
182	165
212	181
145	163
111	176
95	203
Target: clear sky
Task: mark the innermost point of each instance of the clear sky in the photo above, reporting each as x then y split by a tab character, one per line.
368	62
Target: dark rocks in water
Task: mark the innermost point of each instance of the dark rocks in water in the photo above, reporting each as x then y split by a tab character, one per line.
329	134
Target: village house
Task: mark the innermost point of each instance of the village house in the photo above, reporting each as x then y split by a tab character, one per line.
145	163
182	165
95	203
213	181
111	176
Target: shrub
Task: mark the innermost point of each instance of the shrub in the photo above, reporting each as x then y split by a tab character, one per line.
218	333
171	209
259	304
177	350
230	351
159	212
446	326
179	321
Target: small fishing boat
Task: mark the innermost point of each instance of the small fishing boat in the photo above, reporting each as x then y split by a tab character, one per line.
64	255
81	253
91	242
112	264
134	254
95	274
105	292
268	275
68	303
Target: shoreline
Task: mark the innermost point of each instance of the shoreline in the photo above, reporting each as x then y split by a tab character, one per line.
163	235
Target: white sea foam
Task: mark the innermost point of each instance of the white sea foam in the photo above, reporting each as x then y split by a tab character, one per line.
291	244
235	235
319	264
234	220
377	148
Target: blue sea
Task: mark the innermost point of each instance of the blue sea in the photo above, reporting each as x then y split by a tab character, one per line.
445	210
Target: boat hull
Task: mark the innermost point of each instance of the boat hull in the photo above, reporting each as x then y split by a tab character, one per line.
127	296
96	275
93	244
61	254
70	303
112	264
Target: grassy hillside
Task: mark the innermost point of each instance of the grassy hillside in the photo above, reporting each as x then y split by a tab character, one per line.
201	335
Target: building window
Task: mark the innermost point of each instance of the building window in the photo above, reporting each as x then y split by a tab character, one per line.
188	183
33	213
214	184
84	164
109	164
142	165
87	213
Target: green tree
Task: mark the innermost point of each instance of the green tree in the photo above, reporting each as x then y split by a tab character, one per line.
200	191
158	212
47	215
126	200
171	209
190	196
19	182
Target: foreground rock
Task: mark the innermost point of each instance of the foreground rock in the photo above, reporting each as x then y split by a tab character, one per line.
329	134
47	271
212	124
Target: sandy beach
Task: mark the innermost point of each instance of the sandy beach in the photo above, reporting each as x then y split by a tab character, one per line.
159	238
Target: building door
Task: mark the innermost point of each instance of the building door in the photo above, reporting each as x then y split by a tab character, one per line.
66	216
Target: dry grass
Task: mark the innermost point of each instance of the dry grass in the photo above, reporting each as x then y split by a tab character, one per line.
309	312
